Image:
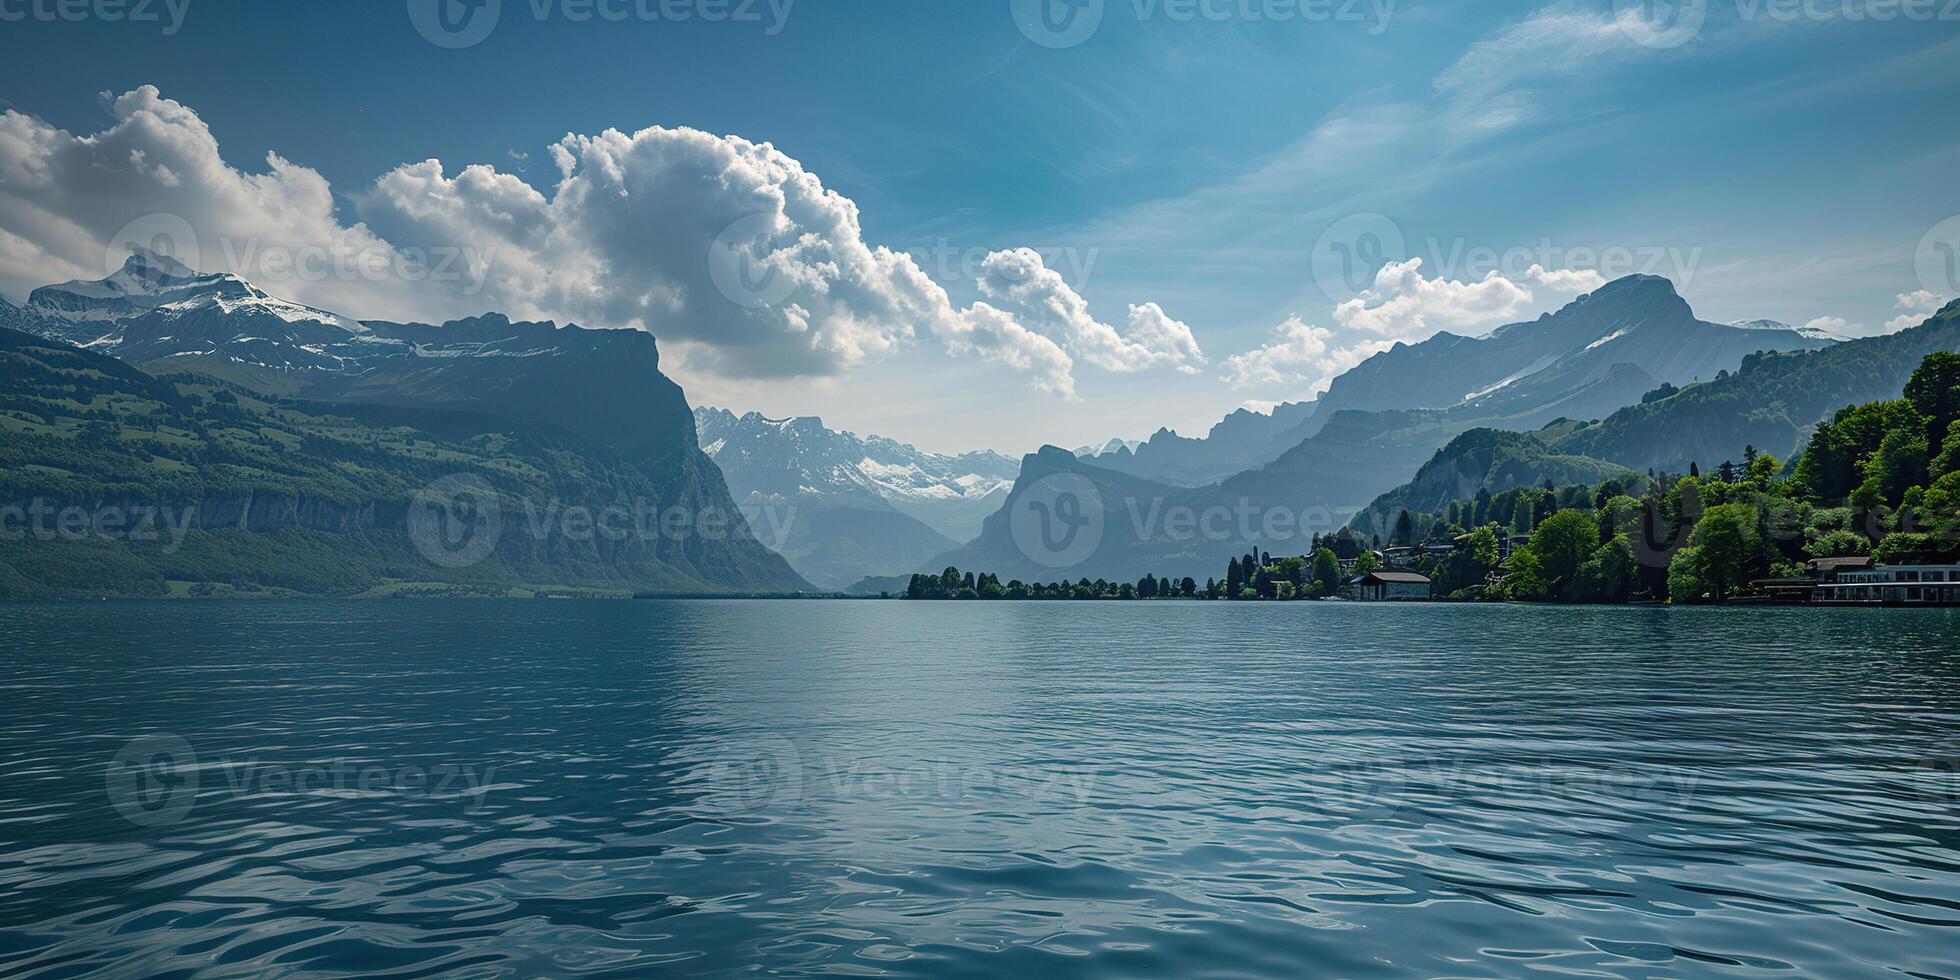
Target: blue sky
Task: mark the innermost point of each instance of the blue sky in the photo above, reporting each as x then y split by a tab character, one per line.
1775	165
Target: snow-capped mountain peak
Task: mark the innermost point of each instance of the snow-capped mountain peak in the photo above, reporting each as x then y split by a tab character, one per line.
799	458
158	307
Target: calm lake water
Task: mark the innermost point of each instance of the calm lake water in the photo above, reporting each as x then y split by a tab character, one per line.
884	788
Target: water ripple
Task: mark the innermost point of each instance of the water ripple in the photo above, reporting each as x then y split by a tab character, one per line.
895	789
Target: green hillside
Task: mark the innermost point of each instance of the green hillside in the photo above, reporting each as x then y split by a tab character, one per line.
116	482
1485	460
1772	403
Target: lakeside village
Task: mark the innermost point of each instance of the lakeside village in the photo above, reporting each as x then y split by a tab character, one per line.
1868	514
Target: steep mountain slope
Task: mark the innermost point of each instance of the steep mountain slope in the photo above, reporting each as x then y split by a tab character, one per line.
248	492
1127	527
603	387
1771	402
1591	357
799	457
1585	360
1520	370
154	307
1484	459
1144	526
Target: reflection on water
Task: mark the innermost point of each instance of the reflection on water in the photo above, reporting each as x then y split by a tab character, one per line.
1311	789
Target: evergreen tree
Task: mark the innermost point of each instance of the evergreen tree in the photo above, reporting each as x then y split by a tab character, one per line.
1405	531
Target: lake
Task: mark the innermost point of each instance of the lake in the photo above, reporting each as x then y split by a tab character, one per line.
486	788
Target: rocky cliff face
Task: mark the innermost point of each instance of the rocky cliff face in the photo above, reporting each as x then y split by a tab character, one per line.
602	390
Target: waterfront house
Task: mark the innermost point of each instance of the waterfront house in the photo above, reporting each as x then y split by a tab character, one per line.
1906	585
1390	587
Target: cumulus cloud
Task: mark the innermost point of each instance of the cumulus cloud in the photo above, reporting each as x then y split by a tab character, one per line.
1918	305
728	247
1401	305
1404	305
1018	280
987	332
1301	356
66	199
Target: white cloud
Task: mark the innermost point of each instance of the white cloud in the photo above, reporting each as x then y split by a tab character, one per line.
987	332
1404	305
641	230
1567	281
1018	280
1303	357
1918	305
1495	84
1921	301
1154	330
1835	325
64	197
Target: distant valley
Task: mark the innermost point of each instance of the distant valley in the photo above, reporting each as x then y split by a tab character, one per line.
842	507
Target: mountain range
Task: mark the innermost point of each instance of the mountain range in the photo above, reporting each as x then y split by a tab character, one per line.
1599	352
843	507
1772	402
545	415
313	433
1625	378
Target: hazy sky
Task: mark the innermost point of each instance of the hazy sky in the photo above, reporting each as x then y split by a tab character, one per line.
1203	184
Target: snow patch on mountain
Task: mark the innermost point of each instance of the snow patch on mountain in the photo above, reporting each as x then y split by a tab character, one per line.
787	459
